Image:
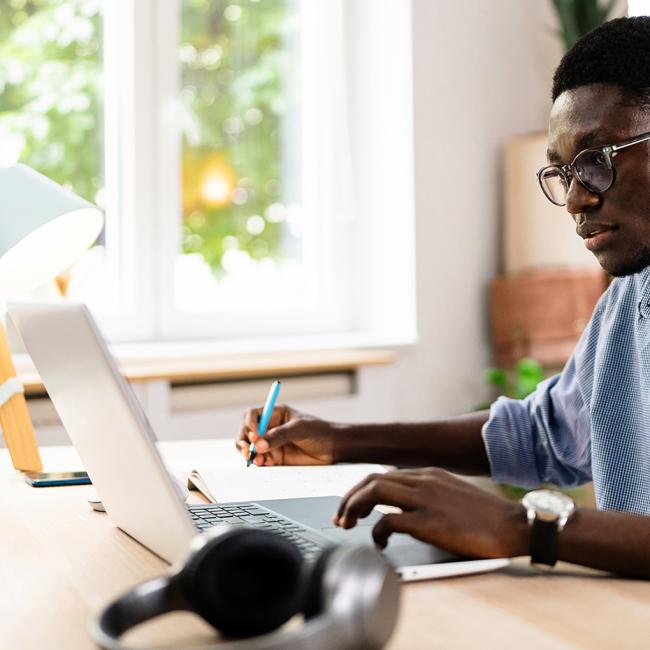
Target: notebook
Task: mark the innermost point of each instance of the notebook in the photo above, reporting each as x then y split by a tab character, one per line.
223	484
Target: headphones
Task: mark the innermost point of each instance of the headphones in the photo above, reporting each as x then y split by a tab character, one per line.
247	582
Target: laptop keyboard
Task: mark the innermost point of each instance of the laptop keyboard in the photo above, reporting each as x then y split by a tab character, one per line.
251	515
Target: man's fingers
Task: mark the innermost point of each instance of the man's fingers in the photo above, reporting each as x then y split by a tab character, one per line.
242	442
266	460
280	435
353	490
243	447
395	476
377	491
252	419
396	522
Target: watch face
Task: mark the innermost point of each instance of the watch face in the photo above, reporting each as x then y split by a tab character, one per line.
549	501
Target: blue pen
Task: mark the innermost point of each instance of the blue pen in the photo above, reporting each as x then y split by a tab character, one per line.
266	416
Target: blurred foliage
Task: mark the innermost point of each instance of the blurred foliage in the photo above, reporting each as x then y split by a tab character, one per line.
577	17
236	63
517	383
234	59
50	89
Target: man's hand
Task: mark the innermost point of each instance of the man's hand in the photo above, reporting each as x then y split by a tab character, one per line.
440	509
292	438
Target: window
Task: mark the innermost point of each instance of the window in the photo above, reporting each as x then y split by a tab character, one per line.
229	143
253	244
240	157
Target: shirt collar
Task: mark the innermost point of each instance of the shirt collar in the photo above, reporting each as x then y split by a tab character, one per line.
644	302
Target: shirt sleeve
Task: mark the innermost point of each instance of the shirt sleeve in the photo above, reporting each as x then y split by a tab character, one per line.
545	438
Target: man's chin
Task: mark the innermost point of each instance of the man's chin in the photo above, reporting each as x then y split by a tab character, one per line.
620	268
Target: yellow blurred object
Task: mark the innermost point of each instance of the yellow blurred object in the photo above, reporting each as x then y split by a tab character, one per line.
62	282
217	183
16	424
207	182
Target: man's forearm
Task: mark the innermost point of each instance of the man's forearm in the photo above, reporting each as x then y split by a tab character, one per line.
453	443
611	541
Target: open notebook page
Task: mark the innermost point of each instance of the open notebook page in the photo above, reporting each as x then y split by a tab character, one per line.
223	484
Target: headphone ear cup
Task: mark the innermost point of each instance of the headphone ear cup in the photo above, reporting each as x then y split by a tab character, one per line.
314	589
245	582
361	590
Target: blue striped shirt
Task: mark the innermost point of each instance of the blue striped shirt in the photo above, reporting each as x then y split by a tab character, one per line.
591	421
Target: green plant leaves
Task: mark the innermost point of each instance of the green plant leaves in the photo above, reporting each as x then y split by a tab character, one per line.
519	382
577	17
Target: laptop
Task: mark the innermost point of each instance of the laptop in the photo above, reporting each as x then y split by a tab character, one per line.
116	443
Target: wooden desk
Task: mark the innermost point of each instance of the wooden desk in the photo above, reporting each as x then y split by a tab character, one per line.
61	562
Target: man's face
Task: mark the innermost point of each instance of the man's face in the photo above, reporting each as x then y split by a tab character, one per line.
615	225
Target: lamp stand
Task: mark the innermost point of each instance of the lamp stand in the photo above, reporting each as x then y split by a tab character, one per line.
16	424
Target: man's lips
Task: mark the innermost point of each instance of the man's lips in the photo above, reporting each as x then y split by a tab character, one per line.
596	234
588	230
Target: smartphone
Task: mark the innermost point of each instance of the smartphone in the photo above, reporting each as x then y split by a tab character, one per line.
50	479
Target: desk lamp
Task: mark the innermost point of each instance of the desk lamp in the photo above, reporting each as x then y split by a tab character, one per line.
44	229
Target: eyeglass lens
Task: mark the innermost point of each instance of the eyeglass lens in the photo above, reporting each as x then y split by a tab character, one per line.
554	183
592	168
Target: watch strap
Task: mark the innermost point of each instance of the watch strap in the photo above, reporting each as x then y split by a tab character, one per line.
543	542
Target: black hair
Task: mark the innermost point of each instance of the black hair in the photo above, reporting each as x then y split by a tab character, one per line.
617	52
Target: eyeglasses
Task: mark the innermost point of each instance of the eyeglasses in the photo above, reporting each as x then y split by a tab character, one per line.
592	168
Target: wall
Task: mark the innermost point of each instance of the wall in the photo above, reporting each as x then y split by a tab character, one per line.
481	72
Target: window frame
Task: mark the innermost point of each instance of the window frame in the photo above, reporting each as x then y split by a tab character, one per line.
143	151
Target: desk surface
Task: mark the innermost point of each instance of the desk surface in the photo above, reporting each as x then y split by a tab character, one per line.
62	561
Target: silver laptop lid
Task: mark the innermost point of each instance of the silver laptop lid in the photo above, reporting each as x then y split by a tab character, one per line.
106	424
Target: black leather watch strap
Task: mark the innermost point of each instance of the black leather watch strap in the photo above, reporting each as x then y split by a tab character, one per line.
543	542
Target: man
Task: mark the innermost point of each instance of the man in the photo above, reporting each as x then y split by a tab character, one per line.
592	421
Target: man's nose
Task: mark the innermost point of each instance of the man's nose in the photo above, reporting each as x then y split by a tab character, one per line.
580	199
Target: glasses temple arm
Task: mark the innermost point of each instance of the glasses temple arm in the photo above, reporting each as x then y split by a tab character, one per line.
637	140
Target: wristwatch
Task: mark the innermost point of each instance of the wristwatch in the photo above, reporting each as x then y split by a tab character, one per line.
547	512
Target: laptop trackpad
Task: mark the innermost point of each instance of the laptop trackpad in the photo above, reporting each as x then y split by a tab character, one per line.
316	512
402	550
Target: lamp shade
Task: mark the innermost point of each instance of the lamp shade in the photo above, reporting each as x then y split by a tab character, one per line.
44	229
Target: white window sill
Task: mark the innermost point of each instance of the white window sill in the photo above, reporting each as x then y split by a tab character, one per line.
198	361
